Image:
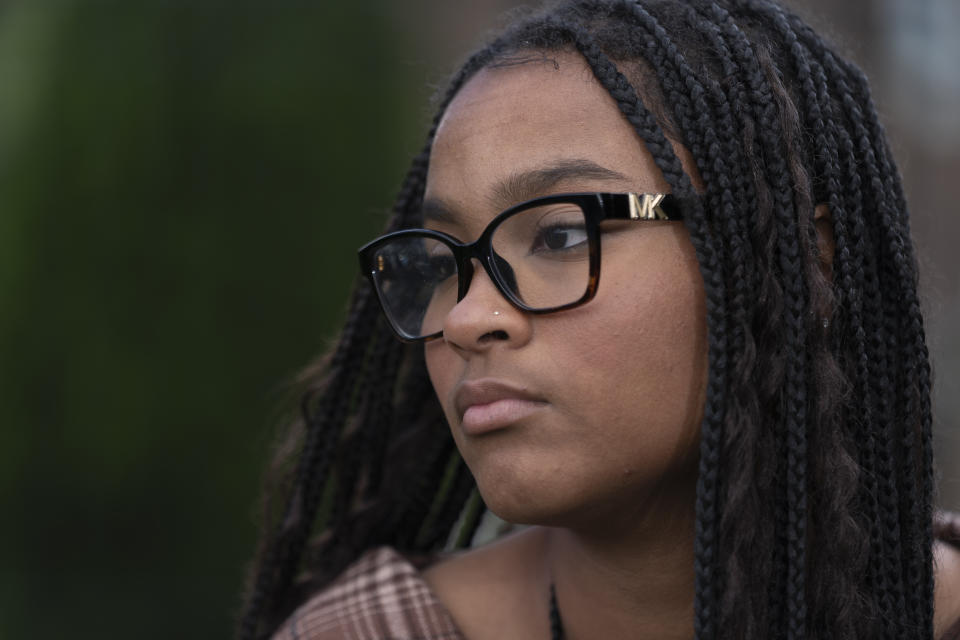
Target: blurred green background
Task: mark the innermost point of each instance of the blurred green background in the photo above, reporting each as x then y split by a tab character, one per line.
183	186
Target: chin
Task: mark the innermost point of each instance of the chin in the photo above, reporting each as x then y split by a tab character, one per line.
531	502
556	499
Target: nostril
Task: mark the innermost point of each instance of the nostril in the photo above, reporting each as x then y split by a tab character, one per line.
499	334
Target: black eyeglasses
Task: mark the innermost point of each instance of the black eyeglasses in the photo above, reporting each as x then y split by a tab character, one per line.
543	255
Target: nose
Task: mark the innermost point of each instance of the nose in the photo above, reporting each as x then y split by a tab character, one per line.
484	318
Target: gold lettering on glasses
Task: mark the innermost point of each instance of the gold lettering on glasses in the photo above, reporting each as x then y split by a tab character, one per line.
647	207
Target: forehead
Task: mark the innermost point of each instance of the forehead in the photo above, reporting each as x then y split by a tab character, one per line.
522	118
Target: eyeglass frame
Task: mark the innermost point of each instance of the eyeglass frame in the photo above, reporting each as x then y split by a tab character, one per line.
596	207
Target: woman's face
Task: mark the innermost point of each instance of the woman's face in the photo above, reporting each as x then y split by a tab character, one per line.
585	414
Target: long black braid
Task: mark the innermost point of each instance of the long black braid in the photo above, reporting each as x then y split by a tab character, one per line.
815	477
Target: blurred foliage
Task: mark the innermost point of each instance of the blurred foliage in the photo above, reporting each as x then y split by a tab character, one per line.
182	189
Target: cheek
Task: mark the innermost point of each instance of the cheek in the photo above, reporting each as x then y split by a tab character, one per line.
646	327
440	363
641	369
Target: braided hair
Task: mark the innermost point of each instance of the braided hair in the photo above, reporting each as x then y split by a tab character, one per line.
815	481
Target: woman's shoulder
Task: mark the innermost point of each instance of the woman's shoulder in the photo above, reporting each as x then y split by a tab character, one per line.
947	559
381	596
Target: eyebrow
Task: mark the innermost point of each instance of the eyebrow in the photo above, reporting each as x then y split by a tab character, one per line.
526	185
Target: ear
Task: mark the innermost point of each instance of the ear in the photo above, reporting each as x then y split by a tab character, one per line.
823	221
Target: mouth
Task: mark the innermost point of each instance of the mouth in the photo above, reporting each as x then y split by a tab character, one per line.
487	405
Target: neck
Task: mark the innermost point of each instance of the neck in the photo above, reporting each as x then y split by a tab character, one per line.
635	583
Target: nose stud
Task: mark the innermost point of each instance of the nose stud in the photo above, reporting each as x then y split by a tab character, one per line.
496	313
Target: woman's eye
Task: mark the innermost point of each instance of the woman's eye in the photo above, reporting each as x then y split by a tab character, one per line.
559	238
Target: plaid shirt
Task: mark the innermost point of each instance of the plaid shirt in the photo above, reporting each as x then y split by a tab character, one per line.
382	596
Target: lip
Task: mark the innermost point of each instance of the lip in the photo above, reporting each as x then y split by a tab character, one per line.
487	405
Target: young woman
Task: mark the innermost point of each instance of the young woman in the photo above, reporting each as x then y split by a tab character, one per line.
719	429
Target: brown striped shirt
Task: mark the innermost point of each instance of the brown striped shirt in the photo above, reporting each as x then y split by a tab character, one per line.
382	596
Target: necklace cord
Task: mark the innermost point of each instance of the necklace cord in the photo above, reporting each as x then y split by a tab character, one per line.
556	625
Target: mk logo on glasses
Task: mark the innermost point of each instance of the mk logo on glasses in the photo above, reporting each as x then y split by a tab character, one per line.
646	206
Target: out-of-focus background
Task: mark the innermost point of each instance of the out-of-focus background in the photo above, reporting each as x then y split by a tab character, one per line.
182	189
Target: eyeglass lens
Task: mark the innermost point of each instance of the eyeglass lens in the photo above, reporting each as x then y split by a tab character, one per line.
541	255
